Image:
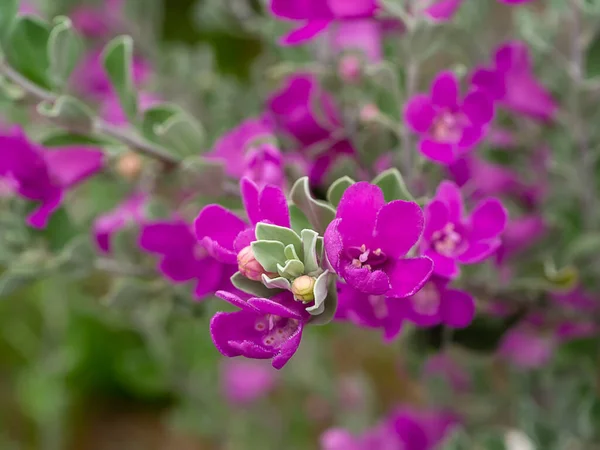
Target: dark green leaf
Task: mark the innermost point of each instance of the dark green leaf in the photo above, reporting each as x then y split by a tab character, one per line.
392	184
592	60
64	139
8	13
337	189
118	64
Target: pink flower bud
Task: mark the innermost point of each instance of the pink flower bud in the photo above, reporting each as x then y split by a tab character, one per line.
369	113
248	265
350	69
303	288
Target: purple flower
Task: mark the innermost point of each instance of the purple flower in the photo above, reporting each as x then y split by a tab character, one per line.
249	151
436	304
483	178
577	299
370	311
526	347
448	126
442	10
306	113
41	175
451	237
224	234
262	328
443	365
245	382
89	77
512	83
182	257
350	23
131	210
367	243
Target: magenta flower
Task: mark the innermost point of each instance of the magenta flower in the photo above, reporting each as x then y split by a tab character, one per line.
368	241
451	238
224	234
577	299
512	83
483	178
182	258
245	382
129	211
448	126
436	304
249	151
350	23
308	115
370	311
441	10
526	347
262	328
43	176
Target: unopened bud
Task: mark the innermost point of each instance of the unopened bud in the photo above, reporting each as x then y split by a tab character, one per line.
350	68
129	165
369	113
248	265
303	288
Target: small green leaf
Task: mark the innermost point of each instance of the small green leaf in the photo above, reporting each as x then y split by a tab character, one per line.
287	236
252	287
276	283
69	110
392	184
169	125
269	254
563	279
64	50
290	252
292	269
320	291
329	304
309	241
65	138
117	59
26	49
337	189
298	219
318	213
8	13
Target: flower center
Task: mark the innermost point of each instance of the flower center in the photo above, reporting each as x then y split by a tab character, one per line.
364	257
447	241
200	252
380	309
427	301
448	127
276	329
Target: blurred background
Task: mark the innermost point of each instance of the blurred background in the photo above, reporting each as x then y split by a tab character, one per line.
104	361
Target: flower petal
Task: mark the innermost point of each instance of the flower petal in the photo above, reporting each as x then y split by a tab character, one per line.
443	10
232	332
488	220
41	215
234	300
69	166
471	136
444	90
419	113
364	35
436	218
268	306
210	275
358	210
333	244
478	107
449	193
244	239
287	349
273	206
166	237
491	82
398	228
179	268
250	194
439	152
217	228
444	266
458	308
478	251
407	276
304	33
370	282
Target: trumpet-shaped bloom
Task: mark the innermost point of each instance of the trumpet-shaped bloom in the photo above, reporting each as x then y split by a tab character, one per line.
308	115
448	125
182	258
368	241
224	234
451	237
261	329
510	81
41	175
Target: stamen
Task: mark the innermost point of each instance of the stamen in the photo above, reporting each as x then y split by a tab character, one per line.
364	256
377	252
356	263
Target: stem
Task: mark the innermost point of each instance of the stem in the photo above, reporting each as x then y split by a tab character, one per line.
408	161
133	141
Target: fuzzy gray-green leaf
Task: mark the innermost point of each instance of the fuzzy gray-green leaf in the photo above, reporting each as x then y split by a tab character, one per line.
287	236
269	254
